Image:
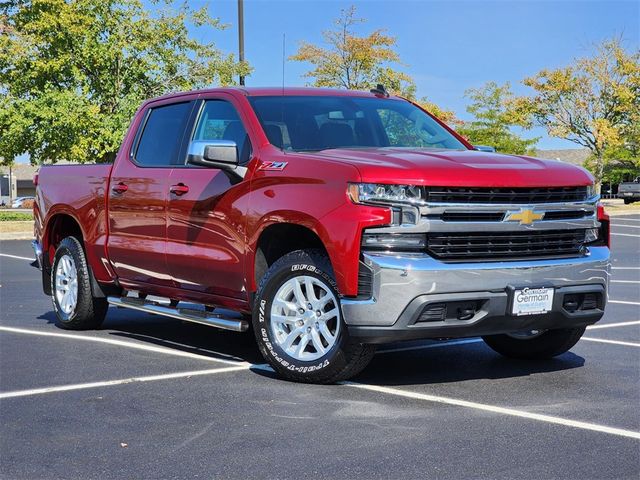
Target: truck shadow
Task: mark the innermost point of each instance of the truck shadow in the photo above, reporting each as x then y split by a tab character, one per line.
457	363
445	364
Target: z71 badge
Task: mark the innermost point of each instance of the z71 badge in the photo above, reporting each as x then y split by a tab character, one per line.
273	166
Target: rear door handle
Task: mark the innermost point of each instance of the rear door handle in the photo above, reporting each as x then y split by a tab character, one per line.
179	189
120	188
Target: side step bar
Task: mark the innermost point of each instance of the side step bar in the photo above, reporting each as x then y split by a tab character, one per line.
185	314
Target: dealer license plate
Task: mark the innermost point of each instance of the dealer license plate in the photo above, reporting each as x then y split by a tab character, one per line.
532	301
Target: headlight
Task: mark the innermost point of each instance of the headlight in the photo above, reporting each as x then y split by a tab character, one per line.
591	190
387	194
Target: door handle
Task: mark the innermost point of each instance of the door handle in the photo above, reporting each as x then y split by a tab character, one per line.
179	189
120	188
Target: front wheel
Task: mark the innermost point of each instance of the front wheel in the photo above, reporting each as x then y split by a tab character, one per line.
73	301
298	322
535	344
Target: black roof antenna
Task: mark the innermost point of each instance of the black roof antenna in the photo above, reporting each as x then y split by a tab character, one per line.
380	90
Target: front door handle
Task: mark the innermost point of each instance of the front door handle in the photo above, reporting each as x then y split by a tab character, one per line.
120	188
179	189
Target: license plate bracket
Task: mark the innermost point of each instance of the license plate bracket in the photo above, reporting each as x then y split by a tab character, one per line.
531	300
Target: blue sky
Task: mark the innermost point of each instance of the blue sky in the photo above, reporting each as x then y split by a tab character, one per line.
447	46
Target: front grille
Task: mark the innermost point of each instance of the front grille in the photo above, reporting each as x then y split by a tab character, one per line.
505	195
505	245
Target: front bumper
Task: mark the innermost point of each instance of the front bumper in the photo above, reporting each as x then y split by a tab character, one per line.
403	286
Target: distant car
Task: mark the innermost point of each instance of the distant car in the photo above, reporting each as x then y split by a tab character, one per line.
630	191
20	202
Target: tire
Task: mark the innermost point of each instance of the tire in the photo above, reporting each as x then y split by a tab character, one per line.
337	357
86	312
544	345
627	201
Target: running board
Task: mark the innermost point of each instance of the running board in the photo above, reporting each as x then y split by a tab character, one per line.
185	314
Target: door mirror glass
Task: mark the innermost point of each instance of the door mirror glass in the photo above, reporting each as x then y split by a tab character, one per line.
222	154
485	148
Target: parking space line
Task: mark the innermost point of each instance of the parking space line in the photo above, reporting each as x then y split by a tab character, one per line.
121	343
624	281
623	302
494	409
122	381
611	325
618	219
625	268
625	235
16	256
612	342
621	225
431	345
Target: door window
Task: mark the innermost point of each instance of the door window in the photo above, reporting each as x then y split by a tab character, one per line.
219	120
161	138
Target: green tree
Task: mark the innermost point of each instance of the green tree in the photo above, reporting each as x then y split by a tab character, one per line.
594	102
73	72
493	120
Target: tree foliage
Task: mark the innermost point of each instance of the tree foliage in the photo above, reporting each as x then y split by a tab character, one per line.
595	103
360	62
493	120
73	72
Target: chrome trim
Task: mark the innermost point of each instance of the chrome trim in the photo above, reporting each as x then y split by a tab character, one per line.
398	279
187	315
37	250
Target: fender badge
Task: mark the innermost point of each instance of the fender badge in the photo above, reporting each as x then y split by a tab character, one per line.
273	166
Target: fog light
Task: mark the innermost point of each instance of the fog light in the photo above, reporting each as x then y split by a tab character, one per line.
590	235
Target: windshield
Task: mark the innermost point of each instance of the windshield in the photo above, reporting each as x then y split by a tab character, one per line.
311	123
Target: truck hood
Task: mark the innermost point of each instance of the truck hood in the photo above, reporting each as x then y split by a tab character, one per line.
457	168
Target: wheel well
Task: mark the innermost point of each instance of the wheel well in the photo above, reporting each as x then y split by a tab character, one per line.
278	240
60	227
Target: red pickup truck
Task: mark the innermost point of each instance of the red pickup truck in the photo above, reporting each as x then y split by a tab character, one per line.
328	222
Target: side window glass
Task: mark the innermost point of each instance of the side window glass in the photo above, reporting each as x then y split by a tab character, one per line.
219	120
161	138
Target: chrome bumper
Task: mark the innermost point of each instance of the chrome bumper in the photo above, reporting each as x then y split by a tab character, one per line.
399	280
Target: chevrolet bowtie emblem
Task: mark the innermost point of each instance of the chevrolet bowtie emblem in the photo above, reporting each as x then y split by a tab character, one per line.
525	216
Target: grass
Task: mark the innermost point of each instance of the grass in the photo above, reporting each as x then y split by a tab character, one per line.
6	216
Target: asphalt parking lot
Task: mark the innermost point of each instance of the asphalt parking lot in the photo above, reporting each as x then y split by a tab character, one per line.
149	397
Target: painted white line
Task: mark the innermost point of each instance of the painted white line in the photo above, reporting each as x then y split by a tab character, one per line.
612	342
120	343
623	302
494	409
620	225
17	257
625	235
123	381
625	220
624	281
612	325
625	268
431	345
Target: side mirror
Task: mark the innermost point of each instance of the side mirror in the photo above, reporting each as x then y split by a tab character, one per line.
485	148
222	154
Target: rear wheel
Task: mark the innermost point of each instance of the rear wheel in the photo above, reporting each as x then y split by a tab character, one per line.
73	302
535	344
298	322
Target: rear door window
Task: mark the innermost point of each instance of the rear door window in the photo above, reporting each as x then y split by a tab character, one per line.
162	136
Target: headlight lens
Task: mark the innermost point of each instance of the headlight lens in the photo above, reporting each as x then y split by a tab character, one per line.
388	194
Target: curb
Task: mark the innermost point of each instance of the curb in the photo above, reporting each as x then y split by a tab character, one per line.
16	236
